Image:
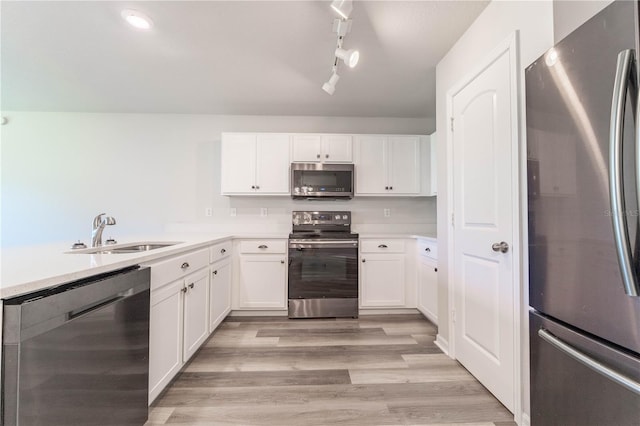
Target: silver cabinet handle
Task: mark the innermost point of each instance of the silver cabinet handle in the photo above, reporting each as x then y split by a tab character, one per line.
191	285
185	265
262	246
624	71
427	249
502	247
593	364
382	246
223	251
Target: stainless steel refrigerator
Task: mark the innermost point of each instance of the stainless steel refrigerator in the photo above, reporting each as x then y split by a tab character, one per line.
584	246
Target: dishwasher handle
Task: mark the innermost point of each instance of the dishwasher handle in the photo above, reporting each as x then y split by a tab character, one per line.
76	313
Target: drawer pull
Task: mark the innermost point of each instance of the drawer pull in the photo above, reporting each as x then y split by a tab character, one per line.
184	289
191	285
364	260
435	269
185	265
215	272
262	246
223	251
386	187
318	156
382	246
282	261
427	249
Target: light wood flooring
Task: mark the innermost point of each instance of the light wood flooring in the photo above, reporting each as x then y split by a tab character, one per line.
375	370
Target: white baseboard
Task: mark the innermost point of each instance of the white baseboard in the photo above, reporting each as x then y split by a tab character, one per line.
442	343
398	311
257	313
525	420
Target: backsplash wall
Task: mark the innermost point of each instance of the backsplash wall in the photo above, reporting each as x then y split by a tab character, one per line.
158	171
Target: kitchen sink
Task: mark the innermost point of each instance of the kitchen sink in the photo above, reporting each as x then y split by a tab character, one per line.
126	248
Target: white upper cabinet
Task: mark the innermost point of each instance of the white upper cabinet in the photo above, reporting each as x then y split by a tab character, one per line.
255	164
322	148
388	165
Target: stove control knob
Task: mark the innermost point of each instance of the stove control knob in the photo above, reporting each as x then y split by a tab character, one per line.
337	217
345	217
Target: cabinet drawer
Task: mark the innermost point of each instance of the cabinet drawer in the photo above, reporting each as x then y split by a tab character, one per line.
263	246
382	246
428	249
220	251
177	267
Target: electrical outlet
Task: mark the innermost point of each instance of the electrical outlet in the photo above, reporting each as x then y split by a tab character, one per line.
232	211
387	212
263	211
208	212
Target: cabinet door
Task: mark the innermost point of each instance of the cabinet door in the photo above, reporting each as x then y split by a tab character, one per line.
428	288
219	293
272	171
307	148
382	279
196	312
262	281
371	165
238	168
404	165
165	336
337	149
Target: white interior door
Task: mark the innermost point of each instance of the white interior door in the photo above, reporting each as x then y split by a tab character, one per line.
483	140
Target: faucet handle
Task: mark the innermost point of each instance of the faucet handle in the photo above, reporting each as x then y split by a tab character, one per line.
109	220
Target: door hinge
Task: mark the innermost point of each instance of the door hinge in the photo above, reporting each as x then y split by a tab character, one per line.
451	124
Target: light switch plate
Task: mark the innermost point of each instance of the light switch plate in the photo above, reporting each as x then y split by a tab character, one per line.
208	212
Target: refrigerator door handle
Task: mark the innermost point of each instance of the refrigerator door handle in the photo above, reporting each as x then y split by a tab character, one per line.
624	73
591	363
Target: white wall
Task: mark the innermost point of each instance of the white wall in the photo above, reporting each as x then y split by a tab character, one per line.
534	21
570	14
150	170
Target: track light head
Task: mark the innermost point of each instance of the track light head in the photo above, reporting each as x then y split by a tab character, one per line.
342	7
330	86
349	57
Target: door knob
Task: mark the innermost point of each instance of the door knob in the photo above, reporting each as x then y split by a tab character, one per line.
502	247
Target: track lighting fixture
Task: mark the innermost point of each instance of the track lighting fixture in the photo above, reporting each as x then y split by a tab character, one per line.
330	86
350	57
342	7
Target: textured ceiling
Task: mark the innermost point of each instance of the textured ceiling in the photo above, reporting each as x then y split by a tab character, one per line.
226	57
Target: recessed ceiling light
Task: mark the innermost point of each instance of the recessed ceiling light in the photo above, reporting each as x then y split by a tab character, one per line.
137	19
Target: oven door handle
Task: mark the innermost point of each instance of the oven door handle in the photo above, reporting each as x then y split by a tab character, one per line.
324	245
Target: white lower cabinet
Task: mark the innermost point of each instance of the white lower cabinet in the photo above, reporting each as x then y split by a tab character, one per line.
196	312
219	293
428	288
428	278
262	274
383	280
165	337
178	325
263	281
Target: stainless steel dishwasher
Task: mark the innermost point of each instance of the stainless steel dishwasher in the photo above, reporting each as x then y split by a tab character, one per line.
78	354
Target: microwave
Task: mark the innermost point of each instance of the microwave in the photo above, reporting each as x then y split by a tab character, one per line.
321	181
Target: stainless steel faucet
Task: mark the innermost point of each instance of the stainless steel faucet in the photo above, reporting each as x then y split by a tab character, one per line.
98	226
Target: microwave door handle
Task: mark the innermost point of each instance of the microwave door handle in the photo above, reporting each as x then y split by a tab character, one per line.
616	189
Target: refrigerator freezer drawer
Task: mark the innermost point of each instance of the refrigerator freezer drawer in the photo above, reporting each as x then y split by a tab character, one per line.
566	391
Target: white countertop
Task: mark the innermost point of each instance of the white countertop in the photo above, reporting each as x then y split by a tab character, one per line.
33	268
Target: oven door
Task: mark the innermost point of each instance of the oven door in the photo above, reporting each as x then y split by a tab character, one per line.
323	269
